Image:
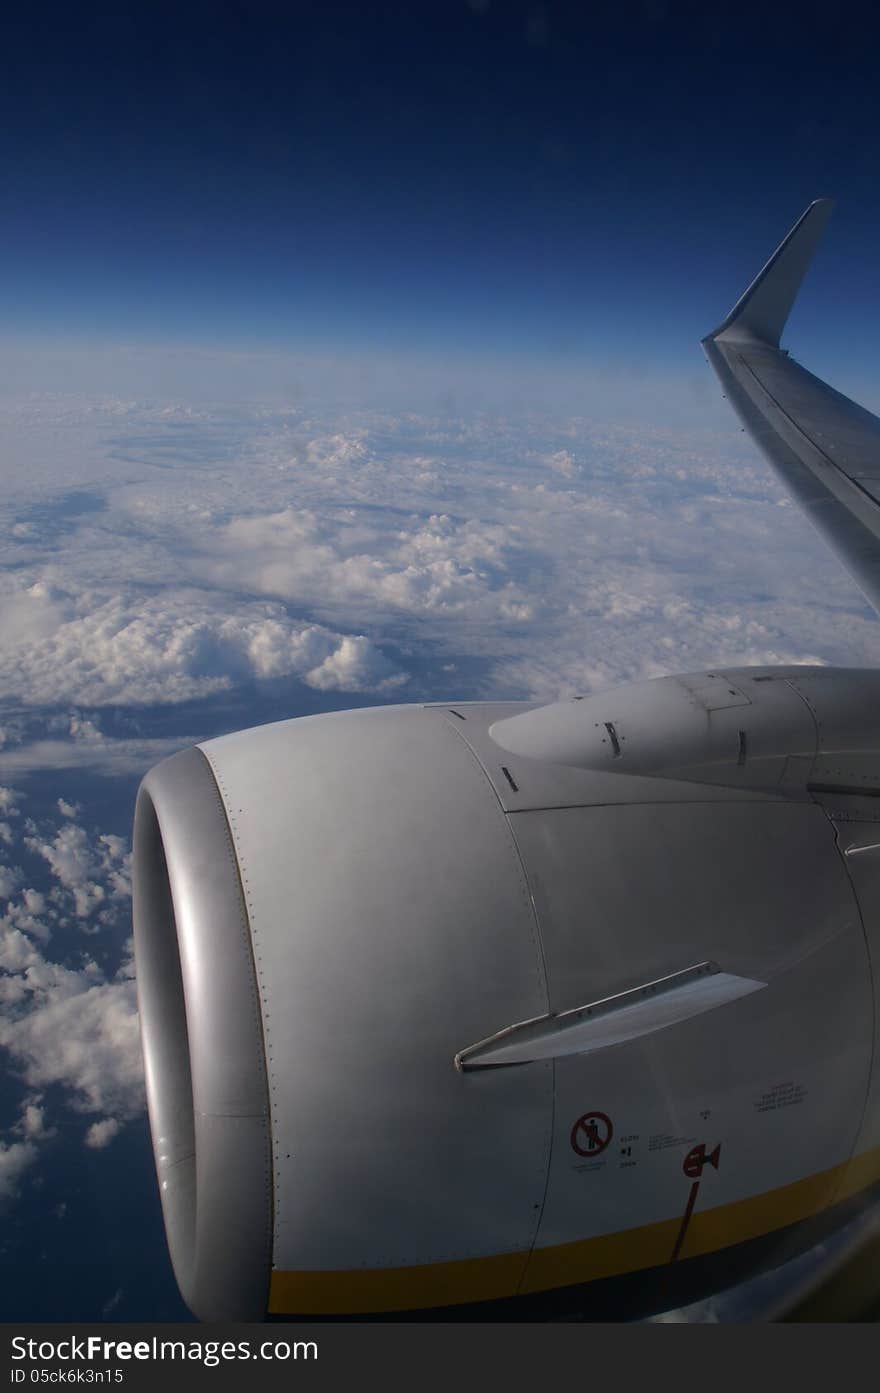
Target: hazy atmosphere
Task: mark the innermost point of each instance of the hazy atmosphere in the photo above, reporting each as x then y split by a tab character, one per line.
350	355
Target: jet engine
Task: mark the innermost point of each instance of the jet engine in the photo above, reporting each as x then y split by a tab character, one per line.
462	1005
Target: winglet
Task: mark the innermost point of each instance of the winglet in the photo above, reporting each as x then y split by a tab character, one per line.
760	314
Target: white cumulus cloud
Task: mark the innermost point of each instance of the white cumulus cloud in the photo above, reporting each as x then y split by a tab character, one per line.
93	871
354	666
101	1134
177	647
68	1024
70	1027
33	1121
435	564
15	1158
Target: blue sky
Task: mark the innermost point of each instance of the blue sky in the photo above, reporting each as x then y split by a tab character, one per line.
549	182
349	354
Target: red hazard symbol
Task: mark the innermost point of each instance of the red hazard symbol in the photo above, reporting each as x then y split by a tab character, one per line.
696	1159
591	1134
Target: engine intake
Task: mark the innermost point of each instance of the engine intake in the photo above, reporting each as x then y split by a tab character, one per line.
202	1043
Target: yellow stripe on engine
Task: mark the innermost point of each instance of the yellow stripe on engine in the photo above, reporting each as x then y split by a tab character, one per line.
396	1288
858	1174
711	1229
607	1255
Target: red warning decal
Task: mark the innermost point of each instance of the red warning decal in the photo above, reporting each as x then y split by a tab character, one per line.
692	1166
696	1159
591	1134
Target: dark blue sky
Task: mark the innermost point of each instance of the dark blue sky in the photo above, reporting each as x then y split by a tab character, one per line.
505	178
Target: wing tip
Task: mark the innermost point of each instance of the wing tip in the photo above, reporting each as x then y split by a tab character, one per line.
761	312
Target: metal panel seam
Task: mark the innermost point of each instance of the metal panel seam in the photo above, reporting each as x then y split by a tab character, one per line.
790	420
814	717
537	943
542	976
840	482
867	942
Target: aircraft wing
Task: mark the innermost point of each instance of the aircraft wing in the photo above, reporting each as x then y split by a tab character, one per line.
824	447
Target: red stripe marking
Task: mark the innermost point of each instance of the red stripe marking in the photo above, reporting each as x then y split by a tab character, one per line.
686	1218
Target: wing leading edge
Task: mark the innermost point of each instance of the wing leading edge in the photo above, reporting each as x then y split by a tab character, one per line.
824	447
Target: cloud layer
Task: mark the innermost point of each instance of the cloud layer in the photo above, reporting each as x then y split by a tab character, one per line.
68	1016
195	550
95	650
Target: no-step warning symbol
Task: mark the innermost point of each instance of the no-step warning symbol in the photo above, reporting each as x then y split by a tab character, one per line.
591	1134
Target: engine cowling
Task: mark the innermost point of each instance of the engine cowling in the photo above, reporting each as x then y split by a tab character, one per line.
449	1005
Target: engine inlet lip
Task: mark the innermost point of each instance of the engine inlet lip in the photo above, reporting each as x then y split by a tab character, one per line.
201	1034
164	1037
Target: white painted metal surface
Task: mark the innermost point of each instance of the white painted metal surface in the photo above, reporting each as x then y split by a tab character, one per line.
390	919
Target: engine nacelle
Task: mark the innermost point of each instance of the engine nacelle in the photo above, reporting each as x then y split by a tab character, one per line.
444	1005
